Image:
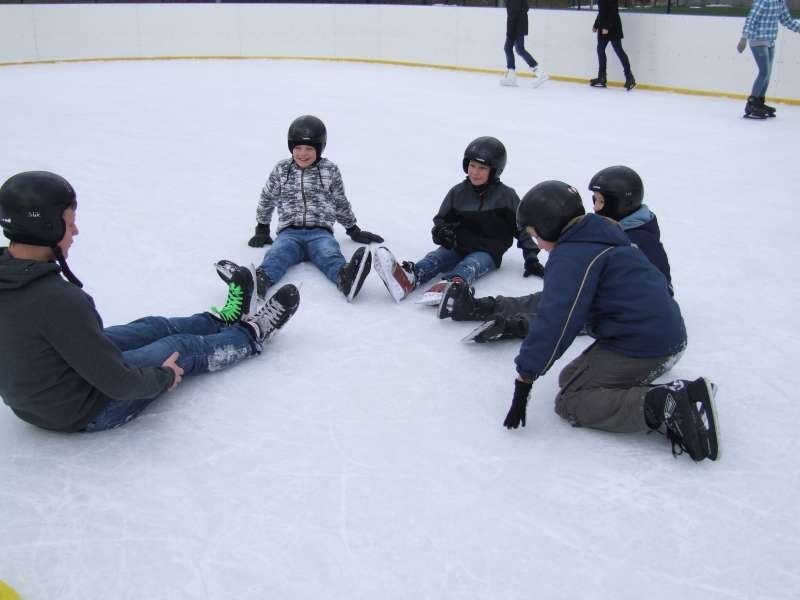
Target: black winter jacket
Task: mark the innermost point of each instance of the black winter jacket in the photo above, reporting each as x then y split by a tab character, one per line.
516	18
58	370
485	219
608	18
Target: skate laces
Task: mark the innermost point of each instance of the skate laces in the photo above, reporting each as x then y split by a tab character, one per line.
272	312
233	304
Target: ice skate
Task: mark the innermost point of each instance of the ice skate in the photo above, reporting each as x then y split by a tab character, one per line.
630	82
510	78
459	303
274	313
599	82
242	297
399	278
353	273
434	294
754	110
689	415
539	77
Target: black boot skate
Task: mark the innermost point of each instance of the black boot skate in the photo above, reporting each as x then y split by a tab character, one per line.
242	298
498	328
630	82
770	109
460	304
599	81
274	313
687	411
352	274
754	110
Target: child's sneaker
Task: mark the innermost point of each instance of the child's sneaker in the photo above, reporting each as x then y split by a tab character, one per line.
689	415
241	298
353	273
274	313
399	278
510	78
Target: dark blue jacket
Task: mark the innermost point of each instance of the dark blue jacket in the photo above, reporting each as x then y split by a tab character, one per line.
642	227
595	276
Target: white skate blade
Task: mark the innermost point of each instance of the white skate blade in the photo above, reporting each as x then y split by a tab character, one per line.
254	303
470	337
384	263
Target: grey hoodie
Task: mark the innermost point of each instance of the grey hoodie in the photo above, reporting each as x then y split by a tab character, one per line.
57	368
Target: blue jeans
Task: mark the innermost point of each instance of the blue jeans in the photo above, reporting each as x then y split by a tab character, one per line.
764	56
205	345
452	264
293	246
517	44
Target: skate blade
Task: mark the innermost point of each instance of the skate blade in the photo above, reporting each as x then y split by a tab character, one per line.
430	299
470	337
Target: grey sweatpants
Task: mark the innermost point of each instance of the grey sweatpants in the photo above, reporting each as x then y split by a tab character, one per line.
605	390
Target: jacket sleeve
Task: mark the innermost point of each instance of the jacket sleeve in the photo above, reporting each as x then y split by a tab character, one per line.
344	212
270	196
446	213
787	20
570	284
73	327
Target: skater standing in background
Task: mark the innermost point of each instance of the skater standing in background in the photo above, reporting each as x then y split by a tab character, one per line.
761	30
608	27
516	30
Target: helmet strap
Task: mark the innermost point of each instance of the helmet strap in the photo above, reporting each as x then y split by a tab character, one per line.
62	262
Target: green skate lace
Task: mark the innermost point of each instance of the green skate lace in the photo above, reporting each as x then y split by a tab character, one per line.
233	305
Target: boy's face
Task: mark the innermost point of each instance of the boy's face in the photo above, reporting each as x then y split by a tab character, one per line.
71	231
599	201
478	173
304	156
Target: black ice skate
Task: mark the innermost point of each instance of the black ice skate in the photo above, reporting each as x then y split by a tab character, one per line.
274	313
353	273
689	415
630	82
226	269
242	297
459	303
754	109
497	328
599	81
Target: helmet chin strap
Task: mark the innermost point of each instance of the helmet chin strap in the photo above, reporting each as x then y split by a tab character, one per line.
62	262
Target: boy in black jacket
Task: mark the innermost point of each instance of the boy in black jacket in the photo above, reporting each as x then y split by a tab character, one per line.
61	370
474	227
617	193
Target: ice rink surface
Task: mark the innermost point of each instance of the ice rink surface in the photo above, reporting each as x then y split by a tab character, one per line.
362	455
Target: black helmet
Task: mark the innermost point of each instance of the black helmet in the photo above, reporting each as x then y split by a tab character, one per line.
548	207
32	205
622	191
310	131
487	151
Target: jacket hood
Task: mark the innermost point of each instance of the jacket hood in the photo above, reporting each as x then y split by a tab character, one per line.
594	229
17	273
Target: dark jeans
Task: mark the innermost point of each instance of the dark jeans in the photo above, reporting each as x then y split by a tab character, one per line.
602	42
204	344
764	56
517	44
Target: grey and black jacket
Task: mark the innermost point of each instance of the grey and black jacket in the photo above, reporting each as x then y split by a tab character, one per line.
58	369
311	197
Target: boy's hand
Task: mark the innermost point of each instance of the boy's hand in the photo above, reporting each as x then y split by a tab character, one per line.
741	45
444	234
261	238
533	267
362	237
172	364
519	404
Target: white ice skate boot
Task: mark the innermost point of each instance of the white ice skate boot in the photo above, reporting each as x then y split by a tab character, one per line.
510	78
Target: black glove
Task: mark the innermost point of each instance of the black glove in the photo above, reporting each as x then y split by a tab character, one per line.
444	234
261	238
362	237
533	267
516	414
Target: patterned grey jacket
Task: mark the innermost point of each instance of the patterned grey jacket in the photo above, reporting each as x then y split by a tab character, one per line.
312	197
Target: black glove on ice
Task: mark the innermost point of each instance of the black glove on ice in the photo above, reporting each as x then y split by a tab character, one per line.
533	267
516	414
444	234
362	237
261	238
